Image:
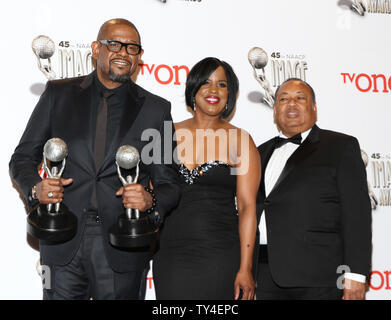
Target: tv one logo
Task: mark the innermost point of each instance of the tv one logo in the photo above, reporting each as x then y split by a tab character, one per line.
377	83
379	280
165	74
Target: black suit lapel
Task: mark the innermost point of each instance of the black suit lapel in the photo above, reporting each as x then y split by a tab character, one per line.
85	103
79	120
303	151
129	115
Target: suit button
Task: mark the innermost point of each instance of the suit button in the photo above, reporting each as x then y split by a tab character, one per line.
97	179
266	202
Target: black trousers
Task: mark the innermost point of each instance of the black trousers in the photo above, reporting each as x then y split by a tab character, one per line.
267	289
88	275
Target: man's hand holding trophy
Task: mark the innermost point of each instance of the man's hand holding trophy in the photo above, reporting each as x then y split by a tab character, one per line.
51	220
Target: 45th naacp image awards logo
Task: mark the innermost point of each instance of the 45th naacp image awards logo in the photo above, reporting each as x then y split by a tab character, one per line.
70	60
75	59
379	178
370	6
283	66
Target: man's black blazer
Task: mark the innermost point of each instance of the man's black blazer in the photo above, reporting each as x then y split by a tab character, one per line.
64	111
318	215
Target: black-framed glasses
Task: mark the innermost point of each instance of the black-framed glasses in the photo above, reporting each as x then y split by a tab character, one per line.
116	46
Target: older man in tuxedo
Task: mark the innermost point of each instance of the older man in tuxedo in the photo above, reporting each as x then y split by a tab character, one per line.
95	115
313	205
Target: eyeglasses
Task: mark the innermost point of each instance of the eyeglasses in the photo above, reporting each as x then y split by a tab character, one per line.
116	46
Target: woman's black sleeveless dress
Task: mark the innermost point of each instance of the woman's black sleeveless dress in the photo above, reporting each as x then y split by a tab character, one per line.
199	253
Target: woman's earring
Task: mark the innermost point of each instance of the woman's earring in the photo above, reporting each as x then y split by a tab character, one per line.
194	105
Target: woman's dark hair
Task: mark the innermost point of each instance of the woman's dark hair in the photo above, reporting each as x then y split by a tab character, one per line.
201	72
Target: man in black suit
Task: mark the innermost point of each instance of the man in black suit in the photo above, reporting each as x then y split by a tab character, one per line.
95	115
313	205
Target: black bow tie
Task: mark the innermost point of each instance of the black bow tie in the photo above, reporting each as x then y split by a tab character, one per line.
296	139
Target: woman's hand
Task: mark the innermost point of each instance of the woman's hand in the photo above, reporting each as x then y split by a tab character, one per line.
244	282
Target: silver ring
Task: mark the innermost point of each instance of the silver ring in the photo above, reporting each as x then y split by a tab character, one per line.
50	194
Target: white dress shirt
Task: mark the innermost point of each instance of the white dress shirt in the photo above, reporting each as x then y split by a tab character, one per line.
273	170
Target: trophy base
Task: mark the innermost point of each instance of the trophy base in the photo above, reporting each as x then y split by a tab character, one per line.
52	227
132	233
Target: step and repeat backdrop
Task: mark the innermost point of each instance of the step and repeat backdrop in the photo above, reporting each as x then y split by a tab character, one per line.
340	47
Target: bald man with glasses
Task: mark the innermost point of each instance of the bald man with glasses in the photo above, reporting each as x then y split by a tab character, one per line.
94	115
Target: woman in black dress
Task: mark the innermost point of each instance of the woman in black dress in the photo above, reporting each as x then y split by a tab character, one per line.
207	242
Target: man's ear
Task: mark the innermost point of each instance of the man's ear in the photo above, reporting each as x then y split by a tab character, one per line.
140	55
275	117
315	108
274	114
95	49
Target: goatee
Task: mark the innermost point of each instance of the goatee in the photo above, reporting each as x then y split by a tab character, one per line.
121	78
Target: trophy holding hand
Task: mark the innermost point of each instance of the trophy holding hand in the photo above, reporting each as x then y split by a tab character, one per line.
134	229
53	222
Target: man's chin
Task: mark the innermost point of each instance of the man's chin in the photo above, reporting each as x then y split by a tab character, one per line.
119	77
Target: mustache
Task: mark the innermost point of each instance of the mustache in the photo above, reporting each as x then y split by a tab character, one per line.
121	59
292	109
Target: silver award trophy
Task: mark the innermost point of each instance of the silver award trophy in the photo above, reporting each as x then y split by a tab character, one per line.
53	223
44	47
134	229
258	60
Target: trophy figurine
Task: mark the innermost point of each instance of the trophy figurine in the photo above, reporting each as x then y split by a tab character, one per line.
44	48
134	229
53	222
258	60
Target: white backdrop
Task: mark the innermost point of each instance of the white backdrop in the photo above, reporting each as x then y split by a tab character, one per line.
339	50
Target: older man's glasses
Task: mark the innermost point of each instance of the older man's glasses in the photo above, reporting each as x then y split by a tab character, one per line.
116	46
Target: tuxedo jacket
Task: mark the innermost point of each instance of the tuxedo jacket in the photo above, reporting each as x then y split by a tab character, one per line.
64	111
318	214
